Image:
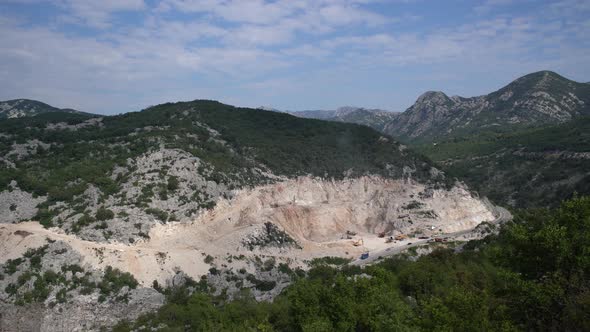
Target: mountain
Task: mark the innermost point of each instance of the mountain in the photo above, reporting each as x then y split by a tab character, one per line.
535	167
536	99
99	214
18	108
315	114
374	118
64	156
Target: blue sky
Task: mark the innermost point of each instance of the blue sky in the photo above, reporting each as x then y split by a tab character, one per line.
114	56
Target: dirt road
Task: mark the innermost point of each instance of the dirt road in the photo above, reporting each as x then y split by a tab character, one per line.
502	215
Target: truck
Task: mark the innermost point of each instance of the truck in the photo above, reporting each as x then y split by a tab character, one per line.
365	255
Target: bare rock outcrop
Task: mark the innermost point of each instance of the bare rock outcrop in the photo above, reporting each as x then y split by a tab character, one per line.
17	205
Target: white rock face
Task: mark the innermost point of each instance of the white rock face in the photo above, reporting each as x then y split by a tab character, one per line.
64	126
316	211
20	151
17	205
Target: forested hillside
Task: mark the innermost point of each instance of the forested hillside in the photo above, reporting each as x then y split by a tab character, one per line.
528	168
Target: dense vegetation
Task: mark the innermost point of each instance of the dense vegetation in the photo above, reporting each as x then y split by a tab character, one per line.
534	275
527	168
293	146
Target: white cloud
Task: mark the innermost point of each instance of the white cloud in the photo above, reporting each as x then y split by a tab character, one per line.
489	5
97	14
222	48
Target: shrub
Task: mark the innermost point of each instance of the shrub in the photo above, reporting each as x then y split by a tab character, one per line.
265	285
73	268
161	215
104	214
83	221
61	296
285	268
114	279
11	265
172	183
268	265
102	225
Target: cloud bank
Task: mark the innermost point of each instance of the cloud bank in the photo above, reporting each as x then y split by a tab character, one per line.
122	55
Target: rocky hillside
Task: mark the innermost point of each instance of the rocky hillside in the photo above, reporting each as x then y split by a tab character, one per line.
171	161
533	100
19	108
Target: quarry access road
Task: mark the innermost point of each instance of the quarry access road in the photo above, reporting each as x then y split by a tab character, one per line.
502	215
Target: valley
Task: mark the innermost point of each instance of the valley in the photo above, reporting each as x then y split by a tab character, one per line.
115	218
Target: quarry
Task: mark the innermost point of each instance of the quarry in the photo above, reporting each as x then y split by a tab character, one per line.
310	218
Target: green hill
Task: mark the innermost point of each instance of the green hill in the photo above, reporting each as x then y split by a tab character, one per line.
534	167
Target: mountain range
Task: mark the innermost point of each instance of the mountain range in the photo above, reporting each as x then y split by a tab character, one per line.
536	99
374	118
109	217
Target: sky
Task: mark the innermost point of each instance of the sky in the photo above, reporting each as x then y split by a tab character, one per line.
115	56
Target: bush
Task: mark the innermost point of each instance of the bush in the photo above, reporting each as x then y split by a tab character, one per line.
172	183
265	285
104	214
74	268
83	221
11	265
61	296
269	264
102	225
161	215
285	268
45	217
114	280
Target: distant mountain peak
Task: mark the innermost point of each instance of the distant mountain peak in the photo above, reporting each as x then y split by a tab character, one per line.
539	98
433	97
540	80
